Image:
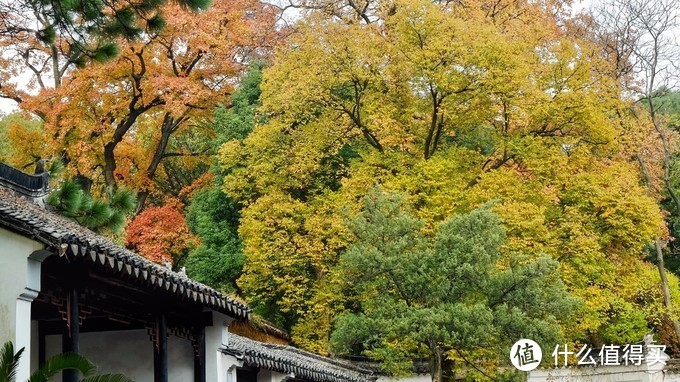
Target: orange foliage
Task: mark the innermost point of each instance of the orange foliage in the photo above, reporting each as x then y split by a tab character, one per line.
199	184
160	234
116	121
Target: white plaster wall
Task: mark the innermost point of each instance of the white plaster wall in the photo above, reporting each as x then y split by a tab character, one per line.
598	374
671	377
19	277
272	376
215	337
227	368
14	252
131	352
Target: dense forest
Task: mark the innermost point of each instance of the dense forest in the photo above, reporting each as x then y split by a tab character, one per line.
396	180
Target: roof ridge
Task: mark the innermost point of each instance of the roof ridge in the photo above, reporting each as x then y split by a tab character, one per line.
69	238
248	345
29	185
336	361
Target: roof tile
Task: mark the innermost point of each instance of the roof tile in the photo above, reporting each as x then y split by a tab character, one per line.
287	359
21	215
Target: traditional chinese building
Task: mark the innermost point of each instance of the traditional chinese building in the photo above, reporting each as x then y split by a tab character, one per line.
65	288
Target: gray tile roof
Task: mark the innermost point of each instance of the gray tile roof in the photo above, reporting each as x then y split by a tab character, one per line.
20	215
30	185
287	359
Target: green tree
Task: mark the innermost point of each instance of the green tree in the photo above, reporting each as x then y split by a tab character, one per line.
442	296
218	260
99	215
451	106
211	214
238	120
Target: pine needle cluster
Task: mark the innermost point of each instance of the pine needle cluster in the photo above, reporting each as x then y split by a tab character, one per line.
99	215
92	26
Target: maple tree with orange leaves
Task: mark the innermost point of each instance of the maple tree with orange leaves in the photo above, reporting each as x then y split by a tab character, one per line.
160	234
116	122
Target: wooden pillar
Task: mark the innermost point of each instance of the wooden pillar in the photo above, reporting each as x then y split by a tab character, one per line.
160	352
41	343
199	355
70	342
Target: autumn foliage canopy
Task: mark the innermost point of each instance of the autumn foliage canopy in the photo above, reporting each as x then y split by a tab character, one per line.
160	234
337	172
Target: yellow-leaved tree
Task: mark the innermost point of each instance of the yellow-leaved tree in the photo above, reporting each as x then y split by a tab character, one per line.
452	105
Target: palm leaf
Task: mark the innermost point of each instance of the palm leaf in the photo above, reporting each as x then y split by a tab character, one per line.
107	378
9	362
60	362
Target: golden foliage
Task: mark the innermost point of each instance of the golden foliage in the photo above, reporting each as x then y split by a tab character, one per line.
453	107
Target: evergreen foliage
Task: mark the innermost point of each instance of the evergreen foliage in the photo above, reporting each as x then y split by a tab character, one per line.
9	362
238	120
212	215
218	261
667	103
96	214
444	296
91	26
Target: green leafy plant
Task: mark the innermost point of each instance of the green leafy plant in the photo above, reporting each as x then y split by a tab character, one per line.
9	361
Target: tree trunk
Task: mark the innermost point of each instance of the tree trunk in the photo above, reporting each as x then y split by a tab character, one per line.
659	255
84	182
664	285
448	369
110	166
434	120
437	365
109	149
167	128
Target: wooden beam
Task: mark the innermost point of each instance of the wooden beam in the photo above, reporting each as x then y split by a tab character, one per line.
91	325
41	343
199	355
160	351
71	337
100	299
102	293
